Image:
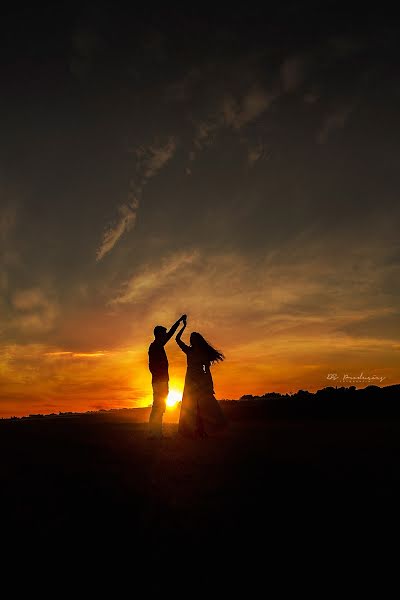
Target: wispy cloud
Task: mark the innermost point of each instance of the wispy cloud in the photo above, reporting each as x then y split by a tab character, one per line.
126	221
234	112
238	113
152	158
34	311
149	160
334	121
150	279
248	90
255	152
288	290
65	354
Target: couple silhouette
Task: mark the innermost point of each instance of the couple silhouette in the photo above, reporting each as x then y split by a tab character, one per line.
200	412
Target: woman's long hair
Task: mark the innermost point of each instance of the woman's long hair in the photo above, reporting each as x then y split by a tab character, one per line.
213	355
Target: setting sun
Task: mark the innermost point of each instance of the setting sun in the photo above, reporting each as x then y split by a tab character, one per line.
173	398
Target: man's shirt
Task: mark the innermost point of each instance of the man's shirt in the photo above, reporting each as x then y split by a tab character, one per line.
158	362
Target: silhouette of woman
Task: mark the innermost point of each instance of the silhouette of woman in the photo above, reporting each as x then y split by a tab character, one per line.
200	411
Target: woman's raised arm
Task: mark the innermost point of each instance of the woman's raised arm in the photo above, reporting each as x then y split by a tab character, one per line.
178	339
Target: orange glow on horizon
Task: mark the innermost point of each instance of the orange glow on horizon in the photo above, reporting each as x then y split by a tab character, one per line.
37	378
76	354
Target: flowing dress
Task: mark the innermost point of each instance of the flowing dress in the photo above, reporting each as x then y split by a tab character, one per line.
200	413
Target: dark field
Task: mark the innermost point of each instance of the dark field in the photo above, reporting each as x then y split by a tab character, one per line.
265	487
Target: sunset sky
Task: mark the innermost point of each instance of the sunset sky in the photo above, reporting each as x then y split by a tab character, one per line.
239	167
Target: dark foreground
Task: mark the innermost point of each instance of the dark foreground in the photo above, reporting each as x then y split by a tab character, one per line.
262	489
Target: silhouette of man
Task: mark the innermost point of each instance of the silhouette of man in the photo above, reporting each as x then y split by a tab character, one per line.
158	365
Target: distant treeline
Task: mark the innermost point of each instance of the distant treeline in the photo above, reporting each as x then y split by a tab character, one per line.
372	402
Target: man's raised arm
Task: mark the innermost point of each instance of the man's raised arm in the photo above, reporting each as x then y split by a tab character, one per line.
174	327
